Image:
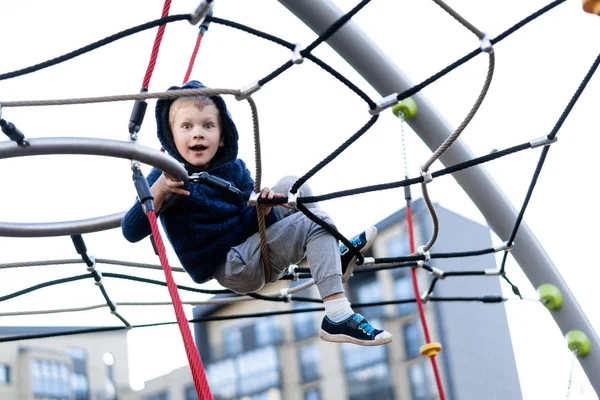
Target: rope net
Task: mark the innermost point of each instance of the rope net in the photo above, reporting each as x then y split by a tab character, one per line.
419	258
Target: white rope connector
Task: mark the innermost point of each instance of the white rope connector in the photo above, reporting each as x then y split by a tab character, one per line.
486	44
292	199
421	251
438	273
92	268
425	297
297	57
368	261
384	103
292	271
201	12
504	247
285	294
493	271
253	200
542	141
427	177
99	281
248	91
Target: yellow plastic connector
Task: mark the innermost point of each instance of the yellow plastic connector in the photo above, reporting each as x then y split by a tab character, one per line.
591	6
431	349
407	107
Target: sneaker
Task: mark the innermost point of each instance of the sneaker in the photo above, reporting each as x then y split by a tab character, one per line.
362	242
355	330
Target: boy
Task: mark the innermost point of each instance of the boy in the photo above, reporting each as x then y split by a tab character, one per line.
215	234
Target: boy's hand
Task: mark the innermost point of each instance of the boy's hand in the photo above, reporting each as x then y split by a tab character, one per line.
163	186
267	193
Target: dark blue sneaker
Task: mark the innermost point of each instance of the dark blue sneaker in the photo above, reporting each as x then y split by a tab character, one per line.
362	242
355	330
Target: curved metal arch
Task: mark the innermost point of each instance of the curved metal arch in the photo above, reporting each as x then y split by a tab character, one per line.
83	146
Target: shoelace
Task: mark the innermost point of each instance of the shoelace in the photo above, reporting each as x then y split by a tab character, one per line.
366	327
355	241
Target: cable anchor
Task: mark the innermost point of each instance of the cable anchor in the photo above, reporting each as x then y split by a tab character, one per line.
384	103
200	13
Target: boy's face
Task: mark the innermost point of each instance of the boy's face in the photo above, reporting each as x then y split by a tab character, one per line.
197	133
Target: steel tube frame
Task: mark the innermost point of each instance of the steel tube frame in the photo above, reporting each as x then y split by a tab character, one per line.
365	57
83	146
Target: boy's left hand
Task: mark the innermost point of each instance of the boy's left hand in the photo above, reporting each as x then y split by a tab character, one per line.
267	193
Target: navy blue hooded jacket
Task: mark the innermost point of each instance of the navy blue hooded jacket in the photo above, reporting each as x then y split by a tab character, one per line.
201	227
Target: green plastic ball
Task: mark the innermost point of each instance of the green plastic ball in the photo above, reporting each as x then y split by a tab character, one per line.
408	107
550	296
579	342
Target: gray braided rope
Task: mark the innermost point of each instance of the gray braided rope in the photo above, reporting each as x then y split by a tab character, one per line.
79	261
459	18
448	142
262	229
171	94
156	303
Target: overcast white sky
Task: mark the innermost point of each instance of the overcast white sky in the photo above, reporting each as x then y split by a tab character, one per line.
304	115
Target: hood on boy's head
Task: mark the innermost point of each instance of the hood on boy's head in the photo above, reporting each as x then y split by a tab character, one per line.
229	133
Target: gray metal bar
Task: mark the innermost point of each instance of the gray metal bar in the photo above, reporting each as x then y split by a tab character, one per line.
83	146
375	67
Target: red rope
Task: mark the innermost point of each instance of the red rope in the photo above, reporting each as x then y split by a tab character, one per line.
411	238
156	47
193	58
200	381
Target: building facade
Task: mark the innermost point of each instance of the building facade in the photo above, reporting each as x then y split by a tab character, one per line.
92	366
281	357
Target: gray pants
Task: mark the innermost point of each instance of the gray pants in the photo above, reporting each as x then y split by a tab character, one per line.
289	240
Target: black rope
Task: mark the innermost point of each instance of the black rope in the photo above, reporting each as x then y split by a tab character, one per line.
413	181
333	155
160	283
544	153
94	46
483	299
44	285
464	59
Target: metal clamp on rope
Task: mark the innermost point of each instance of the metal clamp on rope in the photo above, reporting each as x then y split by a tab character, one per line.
98	282
253	200
493	271
13	133
297	57
421	251
425	297
292	199
438	273
368	261
248	91
384	103
504	247
113	306
92	268
201	11
427	177
292	271
542	141
286	295
486	44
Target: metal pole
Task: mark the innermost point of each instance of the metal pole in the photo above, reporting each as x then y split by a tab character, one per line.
363	54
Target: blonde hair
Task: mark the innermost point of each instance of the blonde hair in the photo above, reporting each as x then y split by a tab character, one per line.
198	101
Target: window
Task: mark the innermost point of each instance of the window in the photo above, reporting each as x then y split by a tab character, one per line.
312	394
164	395
413	339
258	370
403	289
369	291
223	377
305	325
309	362
421	382
79	377
190	393
4	374
398	246
267	331
49	379
232	341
